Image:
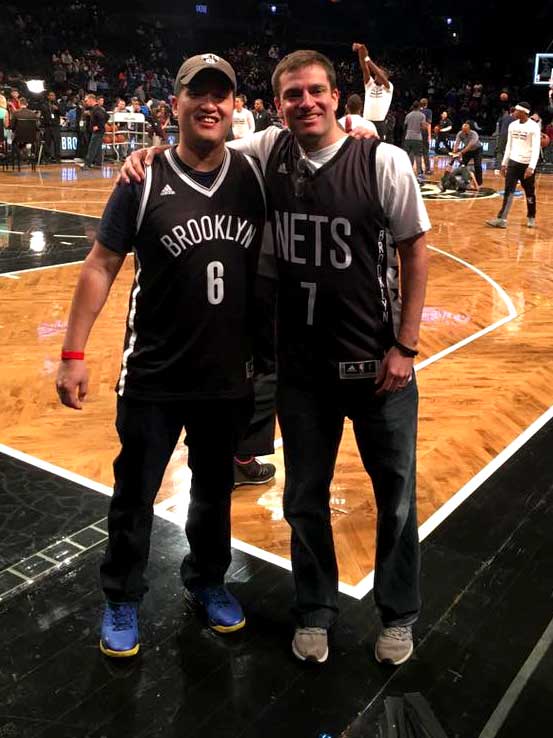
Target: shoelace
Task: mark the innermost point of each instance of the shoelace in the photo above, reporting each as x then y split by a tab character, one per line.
123	617
400	632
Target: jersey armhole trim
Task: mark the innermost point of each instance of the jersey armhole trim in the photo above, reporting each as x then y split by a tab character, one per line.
253	164
144	198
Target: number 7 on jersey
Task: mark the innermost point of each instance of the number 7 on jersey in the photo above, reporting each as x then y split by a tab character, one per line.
312	287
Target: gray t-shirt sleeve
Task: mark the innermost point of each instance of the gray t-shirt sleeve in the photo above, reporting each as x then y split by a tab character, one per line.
400	194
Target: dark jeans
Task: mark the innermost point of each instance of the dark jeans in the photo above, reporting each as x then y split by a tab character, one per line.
311	421
500	149
83	139
260	436
515	174
426	152
149	433
52	141
476	156
94	148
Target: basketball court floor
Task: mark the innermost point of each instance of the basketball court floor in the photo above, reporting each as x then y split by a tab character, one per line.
485	498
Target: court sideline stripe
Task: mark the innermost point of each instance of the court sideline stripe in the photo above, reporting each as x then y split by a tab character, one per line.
363	587
443	512
511	312
501	712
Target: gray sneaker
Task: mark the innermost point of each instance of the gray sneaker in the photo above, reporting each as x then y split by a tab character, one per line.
311	644
497	223
394	645
531	223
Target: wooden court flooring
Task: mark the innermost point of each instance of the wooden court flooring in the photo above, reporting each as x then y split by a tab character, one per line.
485	365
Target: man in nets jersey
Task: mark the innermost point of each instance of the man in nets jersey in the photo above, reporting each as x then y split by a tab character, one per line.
519	165
341	211
378	90
195	227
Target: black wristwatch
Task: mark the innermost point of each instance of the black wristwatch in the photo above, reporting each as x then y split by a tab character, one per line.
405	350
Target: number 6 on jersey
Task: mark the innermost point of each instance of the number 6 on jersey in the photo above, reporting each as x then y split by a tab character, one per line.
215	284
312	287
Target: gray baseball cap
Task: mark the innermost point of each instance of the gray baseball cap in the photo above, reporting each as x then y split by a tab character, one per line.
195	64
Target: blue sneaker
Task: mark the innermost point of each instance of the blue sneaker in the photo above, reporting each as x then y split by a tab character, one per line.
224	612
120	630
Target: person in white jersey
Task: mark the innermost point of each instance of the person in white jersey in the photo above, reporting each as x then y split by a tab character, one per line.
519	165
353	118
378	90
243	123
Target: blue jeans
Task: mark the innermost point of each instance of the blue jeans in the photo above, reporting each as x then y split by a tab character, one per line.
94	148
311	420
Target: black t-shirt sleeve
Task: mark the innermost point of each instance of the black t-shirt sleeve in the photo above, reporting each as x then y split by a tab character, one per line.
117	228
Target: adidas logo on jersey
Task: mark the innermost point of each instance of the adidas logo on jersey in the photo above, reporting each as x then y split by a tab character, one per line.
282	169
167	190
358	369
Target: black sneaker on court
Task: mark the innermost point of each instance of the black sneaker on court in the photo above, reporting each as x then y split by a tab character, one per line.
252	472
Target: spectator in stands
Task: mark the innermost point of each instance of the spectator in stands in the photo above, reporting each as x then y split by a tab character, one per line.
4	115
14	101
66	58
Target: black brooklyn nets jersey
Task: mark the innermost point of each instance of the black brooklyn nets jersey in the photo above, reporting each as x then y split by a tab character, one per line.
331	247
196	250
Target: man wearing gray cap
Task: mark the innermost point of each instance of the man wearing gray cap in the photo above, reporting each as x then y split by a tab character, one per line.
195	226
519	165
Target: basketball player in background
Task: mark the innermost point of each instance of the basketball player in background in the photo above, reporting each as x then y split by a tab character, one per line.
378	90
519	165
342	209
243	123
195	227
353	118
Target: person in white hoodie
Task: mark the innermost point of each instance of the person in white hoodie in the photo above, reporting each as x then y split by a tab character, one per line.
519	165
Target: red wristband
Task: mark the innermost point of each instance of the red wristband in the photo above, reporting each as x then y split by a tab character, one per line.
79	355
